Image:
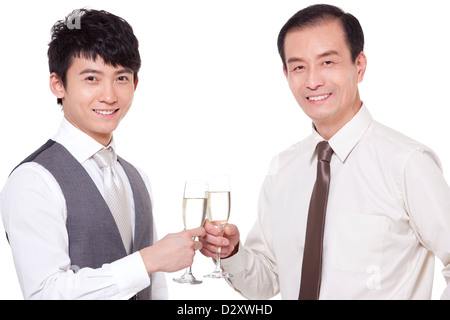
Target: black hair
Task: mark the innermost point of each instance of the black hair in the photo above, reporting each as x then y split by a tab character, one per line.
320	13
87	33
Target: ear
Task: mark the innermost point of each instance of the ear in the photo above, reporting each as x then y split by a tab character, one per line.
56	86
136	83
285	72
361	65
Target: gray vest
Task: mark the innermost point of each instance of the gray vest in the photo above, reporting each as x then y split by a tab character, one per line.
94	238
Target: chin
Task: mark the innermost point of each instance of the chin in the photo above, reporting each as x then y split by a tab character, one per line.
318	113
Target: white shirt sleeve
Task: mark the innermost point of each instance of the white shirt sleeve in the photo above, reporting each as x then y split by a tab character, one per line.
34	215
426	195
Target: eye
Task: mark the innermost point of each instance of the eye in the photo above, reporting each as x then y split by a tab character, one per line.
298	69
328	62
91	78
122	79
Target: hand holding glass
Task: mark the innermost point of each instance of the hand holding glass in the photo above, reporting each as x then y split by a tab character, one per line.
218	212
194	211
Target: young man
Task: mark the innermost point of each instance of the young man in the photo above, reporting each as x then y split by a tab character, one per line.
77	216
387	212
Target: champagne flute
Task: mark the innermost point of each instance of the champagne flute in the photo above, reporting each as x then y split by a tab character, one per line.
218	212
194	211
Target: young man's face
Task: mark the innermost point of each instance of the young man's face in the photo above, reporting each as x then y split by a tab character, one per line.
322	75
96	96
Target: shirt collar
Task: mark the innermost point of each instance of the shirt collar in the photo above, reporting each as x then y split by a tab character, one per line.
347	137
78	143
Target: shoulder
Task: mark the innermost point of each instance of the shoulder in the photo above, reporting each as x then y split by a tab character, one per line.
31	177
29	190
387	142
394	137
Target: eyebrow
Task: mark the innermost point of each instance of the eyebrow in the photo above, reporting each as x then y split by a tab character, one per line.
95	71
319	56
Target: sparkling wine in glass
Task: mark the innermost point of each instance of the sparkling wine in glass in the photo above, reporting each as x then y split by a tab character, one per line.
218	212
194	211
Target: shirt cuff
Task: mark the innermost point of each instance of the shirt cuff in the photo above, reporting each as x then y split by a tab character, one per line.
236	264
130	274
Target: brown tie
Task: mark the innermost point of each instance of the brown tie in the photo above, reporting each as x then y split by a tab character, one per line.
312	254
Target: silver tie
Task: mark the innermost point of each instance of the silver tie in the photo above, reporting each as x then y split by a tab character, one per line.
115	195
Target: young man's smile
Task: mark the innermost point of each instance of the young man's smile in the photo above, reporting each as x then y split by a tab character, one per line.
106	113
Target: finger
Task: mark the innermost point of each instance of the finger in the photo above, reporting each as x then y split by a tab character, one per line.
216	241
226	252
197	232
197	245
208	253
209	227
211	251
211	248
213	243
231	230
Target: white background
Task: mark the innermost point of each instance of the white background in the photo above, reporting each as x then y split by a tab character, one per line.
212	97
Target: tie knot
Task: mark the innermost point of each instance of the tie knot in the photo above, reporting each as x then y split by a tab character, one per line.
104	158
324	151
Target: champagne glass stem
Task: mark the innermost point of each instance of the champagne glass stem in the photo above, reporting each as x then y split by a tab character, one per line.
218	260
188	272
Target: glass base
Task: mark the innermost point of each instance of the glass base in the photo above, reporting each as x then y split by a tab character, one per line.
218	275
187	278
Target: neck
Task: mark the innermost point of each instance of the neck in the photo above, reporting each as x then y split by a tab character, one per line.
100	137
327	128
105	140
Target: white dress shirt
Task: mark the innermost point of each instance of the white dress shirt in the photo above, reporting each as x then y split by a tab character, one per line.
388	215
34	215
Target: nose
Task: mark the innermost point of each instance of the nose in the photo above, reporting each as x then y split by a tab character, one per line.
107	94
314	79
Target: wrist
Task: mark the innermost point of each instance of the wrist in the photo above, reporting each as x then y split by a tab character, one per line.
146	258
